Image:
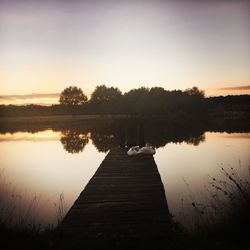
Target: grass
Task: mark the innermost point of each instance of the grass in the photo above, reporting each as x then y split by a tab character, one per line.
225	214
21	212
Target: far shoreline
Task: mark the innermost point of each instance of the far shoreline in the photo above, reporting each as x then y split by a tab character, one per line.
59	118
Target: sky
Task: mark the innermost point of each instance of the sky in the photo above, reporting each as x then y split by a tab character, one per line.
46	46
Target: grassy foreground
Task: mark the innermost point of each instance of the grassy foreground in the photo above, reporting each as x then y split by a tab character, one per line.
51	239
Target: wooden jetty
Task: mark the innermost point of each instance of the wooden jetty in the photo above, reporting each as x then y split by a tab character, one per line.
124	199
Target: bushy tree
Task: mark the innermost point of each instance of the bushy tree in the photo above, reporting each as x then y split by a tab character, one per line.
104	94
135	100
157	101
195	101
106	99
72	96
195	91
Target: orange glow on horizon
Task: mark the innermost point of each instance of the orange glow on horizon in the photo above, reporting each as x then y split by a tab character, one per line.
224	92
39	101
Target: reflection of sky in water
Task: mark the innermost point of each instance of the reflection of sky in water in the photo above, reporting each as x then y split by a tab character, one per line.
185	169
45	168
47	135
37	164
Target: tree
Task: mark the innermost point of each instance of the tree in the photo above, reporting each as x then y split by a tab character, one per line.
195	101
103	94
157	101
105	99
195	92
135	100
72	96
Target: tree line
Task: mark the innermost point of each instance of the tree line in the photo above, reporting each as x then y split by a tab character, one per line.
140	102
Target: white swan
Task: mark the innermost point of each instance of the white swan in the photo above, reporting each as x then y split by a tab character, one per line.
133	150
147	149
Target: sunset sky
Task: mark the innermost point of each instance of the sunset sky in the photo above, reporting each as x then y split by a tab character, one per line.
46	46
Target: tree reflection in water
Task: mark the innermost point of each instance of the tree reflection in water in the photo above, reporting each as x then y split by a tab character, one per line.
196	140
73	141
105	136
104	142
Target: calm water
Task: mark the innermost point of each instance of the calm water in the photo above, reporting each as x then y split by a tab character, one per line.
49	163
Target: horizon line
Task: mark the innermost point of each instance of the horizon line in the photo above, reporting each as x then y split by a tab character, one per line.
49	95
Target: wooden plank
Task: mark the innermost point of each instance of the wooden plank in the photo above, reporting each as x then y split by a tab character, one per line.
125	198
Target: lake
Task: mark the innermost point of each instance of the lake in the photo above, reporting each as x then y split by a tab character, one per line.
43	170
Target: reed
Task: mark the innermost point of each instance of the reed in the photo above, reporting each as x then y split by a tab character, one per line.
226	210
20	211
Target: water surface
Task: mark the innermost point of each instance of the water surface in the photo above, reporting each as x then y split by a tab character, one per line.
48	163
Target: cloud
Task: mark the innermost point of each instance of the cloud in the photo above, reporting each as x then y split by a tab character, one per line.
236	88
38	99
29	96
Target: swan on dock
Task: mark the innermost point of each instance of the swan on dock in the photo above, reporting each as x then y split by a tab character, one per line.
147	149
133	150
